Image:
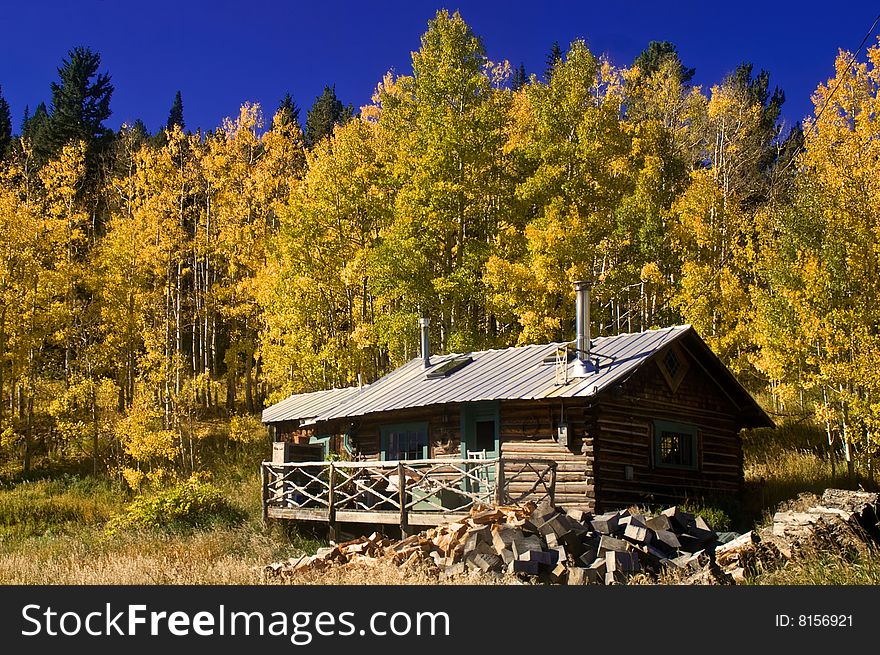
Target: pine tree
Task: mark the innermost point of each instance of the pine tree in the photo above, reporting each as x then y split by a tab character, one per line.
327	112
35	130
5	125
175	116
289	110
520	78
80	101
140	128
652	57
553	59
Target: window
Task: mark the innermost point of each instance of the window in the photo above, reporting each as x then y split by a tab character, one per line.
673	364
323	441
675	445
405	441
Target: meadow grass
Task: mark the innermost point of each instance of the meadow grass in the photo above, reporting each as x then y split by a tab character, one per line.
53	530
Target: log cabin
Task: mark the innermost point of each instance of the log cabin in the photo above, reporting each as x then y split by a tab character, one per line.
647	418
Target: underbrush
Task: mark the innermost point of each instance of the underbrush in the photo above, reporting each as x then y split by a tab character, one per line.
45	507
781	464
56	531
825	568
195	502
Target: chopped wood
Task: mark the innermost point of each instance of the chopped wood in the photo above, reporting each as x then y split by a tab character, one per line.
636	533
503	536
573	547
607	544
577	576
625	562
680	519
605	523
522	566
657	523
488	562
559	574
666	539
588	557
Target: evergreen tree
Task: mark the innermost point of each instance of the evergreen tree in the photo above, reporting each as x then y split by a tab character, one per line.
140	128
35	129
327	112
651	58
519	79
757	88
289	110
5	125
175	116
553	58
80	101
790	146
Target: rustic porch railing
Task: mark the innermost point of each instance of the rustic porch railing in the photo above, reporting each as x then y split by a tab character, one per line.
409	492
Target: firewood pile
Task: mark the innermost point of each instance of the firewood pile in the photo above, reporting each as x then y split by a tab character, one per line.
846	521
546	544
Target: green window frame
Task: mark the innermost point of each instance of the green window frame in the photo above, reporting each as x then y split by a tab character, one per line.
676	446
324	440
402	441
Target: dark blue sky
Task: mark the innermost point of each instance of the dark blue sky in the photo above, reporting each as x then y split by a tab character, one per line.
223	52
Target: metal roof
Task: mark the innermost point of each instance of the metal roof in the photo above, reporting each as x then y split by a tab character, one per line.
304	406
520	373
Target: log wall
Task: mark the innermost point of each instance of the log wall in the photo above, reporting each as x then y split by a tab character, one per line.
606	435
528	429
624	437
443	430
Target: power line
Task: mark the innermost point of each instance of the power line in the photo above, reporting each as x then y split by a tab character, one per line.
834	90
668	302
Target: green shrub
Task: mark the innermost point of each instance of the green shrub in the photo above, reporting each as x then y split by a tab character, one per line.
717	518
193	502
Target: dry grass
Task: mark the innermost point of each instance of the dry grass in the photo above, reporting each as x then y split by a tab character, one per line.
383	572
825	568
52	531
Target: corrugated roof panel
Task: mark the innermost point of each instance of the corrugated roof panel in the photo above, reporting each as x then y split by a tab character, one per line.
307	405
512	373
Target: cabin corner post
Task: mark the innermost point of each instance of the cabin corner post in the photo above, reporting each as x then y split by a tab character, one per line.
331	503
401	486
499	481
264	479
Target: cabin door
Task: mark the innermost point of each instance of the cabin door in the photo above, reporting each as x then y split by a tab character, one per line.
480	428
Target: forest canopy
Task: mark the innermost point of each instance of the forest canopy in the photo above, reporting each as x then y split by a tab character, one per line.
147	281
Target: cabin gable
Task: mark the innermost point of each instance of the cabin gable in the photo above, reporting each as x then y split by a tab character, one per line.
660	441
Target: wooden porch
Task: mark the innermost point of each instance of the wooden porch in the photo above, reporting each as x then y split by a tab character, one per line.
421	492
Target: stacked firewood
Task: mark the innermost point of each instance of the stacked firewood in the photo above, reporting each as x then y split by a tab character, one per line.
547	544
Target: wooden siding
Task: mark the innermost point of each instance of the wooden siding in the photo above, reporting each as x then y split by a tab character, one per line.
624	437
443	430
607	434
528	429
